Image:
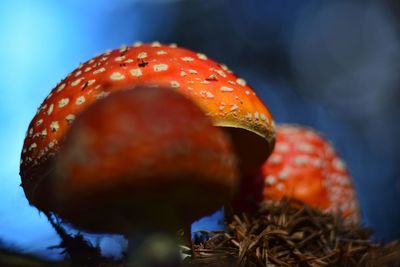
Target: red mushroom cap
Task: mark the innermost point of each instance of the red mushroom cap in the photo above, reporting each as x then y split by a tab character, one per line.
141	155
305	166
224	97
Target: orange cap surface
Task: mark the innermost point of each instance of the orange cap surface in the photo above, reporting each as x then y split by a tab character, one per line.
225	98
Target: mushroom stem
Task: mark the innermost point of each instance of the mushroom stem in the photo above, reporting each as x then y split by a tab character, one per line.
150	248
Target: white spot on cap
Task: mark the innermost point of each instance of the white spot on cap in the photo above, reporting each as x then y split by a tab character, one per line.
187	59
226	89
78	73
173	45
60	88
80	100
247	92
87	69
221	73
275	159
129	60
137	44
51	144
193	71
161	52
117	76
201	56
339	164
256	115
160	67
280	187
32	146
142	55
183	74
120	58
70	118
282	148
212	77
76	82
305	147
102	95
30	131
301	160
263	117
317	163
43	133
41	153
63	102
209	94
270	180
241	82
284	174
234	107
175	84
344	180
99	70
136	72
123	48
249	116
54	126
232	82
50	110
155	44
39	122
90	82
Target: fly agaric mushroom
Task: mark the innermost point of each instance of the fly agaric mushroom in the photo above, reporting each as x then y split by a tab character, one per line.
304	166
224	97
142	158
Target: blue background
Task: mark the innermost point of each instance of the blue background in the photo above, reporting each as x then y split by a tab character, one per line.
332	65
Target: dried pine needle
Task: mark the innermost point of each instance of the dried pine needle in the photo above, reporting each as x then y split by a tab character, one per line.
289	233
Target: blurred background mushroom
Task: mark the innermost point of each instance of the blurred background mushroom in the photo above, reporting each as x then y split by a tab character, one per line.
330	65
305	166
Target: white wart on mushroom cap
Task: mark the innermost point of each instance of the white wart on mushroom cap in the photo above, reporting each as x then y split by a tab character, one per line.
225	98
